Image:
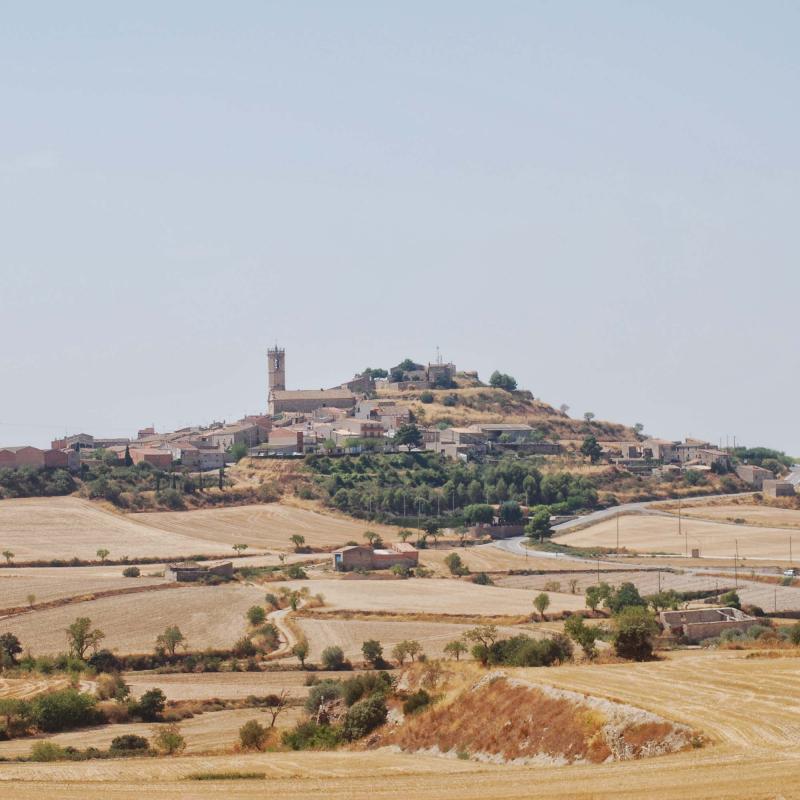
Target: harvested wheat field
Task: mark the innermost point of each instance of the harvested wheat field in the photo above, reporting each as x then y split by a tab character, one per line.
747	706
53	583
26	688
263	526
66	527
751	514
223	685
209	616
351	634
659	534
431	595
490	558
213	731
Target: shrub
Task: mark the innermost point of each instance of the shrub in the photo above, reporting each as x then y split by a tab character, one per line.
363	717
731	600
416	702
426	397
128	743
633	637
63	710
110	687
151	705
450	400
322	693
366	685
131	572
401	570
333	658
296	572
168	740
482	579
47	751
244	648
794	634
373	652
312	736
256	615
456	565
252	735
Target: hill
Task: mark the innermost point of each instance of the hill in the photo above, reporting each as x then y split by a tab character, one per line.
470	402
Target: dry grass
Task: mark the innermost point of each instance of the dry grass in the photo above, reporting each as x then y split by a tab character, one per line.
490	558
211	732
26	688
432	596
53	583
747	705
262	526
762	516
210	616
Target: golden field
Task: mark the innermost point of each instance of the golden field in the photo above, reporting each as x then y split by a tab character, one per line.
746	706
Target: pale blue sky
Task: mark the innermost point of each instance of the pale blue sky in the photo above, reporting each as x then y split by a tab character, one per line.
599	198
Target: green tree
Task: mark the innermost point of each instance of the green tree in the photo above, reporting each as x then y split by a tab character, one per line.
455	649
582	634
500	380
80	637
63	710
591	449
409	435
731	600
405	534
168	740
170	640
239	548
479	513
300	651
634	630
333	658
510	513
588	416
10	648
298	540
103	554
373	652
371	537
539	524
151	704
624	596
542	603
426	397
128	461
238	451
256	615
8	555
596	594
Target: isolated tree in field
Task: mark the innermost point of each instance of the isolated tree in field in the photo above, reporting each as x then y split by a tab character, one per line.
298	540
252	735
483	637
31	599
582	634
539	524
588	416
103	554
591	449
409	435
455	649
542	603
170	640
635	628
300	651
8	555
433	530
573	585
405	534
239	548
256	615
168	740
10	648
333	658
81	637
373	652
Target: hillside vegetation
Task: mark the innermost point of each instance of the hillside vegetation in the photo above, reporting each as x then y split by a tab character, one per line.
469	404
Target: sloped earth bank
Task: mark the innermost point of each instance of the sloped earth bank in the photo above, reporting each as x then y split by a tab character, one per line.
505	720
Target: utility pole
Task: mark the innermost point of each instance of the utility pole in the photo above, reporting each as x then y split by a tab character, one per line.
617	534
790	551
736	565
598	569
776	598
659	581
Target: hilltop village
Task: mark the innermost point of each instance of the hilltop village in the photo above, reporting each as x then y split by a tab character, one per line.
409	407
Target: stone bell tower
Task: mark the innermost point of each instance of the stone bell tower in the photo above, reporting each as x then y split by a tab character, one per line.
276	369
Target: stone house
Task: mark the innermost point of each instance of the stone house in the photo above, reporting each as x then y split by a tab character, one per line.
704	623
364	557
753	475
191	571
23	456
776	488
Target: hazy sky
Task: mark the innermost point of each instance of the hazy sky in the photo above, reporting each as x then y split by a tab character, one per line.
599	198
